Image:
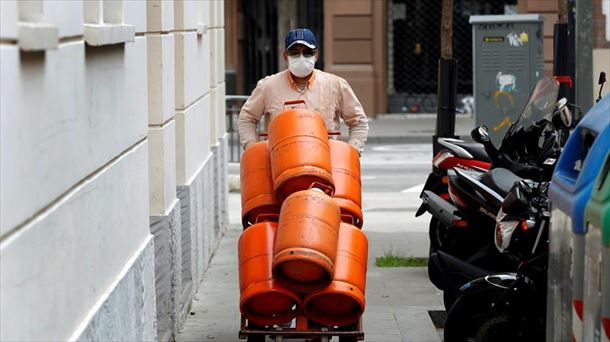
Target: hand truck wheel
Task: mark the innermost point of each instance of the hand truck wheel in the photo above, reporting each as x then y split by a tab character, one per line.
256	338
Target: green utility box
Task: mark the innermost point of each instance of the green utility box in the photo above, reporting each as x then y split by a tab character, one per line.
508	60
596	306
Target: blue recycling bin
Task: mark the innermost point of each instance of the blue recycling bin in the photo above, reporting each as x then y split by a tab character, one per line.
569	193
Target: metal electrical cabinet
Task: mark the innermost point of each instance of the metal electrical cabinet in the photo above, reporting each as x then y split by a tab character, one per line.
508	60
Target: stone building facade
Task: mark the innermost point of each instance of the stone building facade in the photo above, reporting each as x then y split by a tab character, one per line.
112	163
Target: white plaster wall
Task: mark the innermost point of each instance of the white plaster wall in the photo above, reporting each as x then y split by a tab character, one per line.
160	15
67	15
221	110
220	55
206	147
58	123
220	13
203	45
8	19
189	67
89	150
213	55
54	270
192	146
134	13
162	167
161	94
202	12
185	14
213	108
213	13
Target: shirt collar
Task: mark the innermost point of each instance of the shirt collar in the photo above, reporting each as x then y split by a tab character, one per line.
309	82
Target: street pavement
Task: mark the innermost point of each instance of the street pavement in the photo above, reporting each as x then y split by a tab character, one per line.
399	300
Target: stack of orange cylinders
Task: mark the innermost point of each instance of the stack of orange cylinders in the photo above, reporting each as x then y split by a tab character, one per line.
306	242
299	150
257	195
346	177
317	249
342	302
262	299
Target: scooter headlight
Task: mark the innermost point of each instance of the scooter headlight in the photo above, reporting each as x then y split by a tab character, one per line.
504	231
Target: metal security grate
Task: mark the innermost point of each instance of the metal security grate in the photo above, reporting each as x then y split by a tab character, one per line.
414	50
233	105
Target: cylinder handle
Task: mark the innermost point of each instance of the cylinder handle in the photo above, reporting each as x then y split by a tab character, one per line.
294	102
322	187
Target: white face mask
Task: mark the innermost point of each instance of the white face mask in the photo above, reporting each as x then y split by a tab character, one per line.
301	66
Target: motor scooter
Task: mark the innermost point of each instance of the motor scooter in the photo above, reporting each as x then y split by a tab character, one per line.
529	150
509	306
456	154
465	251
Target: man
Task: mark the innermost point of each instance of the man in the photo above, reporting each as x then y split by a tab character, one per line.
326	93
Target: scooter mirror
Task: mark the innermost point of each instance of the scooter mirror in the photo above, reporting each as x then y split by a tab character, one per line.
516	204
480	135
563	114
561	102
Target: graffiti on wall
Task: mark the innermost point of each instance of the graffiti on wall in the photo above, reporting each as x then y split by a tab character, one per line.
517	39
503	98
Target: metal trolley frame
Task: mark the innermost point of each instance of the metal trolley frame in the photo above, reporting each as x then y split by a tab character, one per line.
301	328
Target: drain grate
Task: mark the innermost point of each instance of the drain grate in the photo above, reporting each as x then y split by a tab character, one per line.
438	318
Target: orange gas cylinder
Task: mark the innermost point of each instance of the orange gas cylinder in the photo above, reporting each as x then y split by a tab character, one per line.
306	241
346	177
300	154
342	302
262	299
257	195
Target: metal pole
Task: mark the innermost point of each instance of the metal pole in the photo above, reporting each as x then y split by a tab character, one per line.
447	29
584	54
447	80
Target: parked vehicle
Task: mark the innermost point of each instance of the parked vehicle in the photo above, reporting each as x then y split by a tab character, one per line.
509	306
521	153
461	248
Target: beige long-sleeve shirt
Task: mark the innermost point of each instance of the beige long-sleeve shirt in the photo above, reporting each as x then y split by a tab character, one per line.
326	93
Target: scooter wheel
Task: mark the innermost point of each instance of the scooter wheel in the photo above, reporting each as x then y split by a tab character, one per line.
256	338
469	320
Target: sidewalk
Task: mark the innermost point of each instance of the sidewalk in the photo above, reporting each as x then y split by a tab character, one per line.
398	299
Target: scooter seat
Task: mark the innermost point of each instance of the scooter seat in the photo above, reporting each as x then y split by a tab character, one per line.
500	180
477	150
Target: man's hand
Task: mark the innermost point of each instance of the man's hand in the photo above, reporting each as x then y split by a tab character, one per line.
357	147
249	144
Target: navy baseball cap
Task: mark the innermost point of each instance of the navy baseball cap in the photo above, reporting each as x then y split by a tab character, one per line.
300	36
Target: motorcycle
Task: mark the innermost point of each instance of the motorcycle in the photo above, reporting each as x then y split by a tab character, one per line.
520	155
475	156
462	251
509	306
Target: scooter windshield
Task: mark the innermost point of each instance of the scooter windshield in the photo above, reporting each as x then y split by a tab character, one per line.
540	106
